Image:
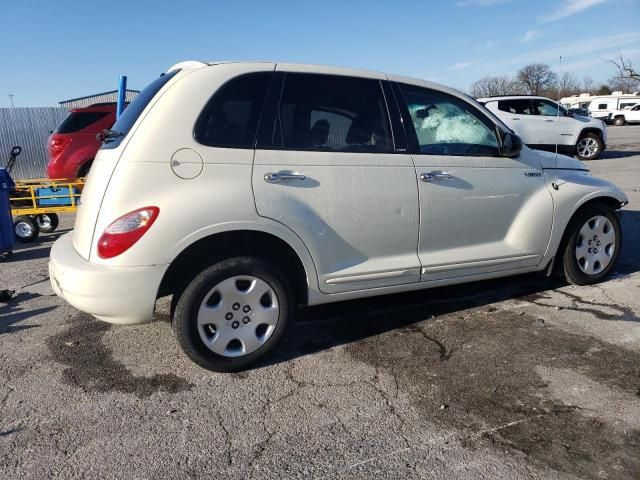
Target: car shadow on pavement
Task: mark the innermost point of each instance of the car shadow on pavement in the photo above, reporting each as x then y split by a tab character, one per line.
11	313
611	154
326	326
43	239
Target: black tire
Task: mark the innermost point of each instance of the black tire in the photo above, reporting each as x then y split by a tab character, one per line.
185	316
83	171
592	154
571	266
618	121
25	229
47	222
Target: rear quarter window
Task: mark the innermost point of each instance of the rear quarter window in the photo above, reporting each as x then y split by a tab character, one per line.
230	118
77	121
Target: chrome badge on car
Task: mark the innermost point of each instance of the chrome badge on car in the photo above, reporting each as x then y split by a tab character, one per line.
532	174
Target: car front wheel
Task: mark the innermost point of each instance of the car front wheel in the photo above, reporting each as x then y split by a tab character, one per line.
232	314
593	244
589	147
618	121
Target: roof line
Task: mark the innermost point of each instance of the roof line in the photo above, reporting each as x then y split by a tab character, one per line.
96	95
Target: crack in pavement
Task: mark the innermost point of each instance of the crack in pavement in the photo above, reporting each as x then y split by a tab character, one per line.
624	311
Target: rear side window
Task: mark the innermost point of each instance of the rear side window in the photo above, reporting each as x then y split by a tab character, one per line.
230	118
79	120
520	107
132	112
602	106
332	113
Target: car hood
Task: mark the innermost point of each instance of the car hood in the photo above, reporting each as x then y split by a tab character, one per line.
550	160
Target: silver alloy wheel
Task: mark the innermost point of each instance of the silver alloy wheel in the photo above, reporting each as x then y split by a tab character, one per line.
596	245
238	316
44	221
23	230
587	147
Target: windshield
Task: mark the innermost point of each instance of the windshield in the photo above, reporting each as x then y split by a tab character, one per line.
132	112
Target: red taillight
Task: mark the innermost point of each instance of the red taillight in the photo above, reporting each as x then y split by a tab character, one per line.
126	231
57	145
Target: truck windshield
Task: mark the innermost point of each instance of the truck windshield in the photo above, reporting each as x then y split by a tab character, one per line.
132	112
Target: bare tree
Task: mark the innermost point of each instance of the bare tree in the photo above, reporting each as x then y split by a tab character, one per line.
568	84
626	69
604	90
536	78
628	78
492	86
587	84
624	84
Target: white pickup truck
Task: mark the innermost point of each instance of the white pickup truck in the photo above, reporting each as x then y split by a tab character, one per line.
628	115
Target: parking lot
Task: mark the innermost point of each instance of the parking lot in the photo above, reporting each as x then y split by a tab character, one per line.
518	378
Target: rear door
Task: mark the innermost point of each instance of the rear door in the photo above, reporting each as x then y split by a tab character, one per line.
479	212
329	167
518	115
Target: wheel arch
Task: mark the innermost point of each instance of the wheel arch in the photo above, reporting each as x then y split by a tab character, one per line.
587	130
601	197
252	242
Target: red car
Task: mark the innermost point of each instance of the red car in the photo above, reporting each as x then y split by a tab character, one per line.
73	145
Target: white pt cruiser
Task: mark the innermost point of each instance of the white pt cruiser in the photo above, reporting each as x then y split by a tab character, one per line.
246	189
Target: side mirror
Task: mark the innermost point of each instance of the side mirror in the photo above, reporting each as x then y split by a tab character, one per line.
570	113
511	145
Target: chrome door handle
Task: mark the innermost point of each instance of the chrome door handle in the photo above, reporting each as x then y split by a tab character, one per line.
275	177
429	176
550	121
515	118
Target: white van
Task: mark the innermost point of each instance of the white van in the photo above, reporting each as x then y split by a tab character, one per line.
603	107
248	189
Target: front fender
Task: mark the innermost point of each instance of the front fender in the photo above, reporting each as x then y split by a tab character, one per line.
575	188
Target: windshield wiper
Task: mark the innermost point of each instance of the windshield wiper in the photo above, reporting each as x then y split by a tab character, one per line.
107	134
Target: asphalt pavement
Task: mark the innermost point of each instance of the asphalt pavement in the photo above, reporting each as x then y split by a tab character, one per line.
522	377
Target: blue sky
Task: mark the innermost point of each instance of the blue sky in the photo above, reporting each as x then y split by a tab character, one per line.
57	50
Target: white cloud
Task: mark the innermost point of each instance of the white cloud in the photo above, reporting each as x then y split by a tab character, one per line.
480	3
570	50
463	65
568	8
530	35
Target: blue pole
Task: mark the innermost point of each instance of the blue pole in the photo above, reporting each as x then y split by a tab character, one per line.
122	89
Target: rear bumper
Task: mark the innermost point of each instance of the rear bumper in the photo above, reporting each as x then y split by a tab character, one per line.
124	295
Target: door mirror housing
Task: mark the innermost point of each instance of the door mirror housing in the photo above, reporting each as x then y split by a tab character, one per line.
511	145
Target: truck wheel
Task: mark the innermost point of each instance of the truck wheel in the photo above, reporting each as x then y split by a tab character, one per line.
592	244
618	121
47	222
25	229
233	313
589	147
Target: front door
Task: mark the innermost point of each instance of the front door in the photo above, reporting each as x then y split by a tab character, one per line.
332	175
479	212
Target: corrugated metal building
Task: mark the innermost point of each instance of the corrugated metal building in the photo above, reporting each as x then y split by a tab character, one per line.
30	129
103	97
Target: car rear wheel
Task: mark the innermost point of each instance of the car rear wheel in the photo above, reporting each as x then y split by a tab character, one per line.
232	314
618	121
83	171
26	229
47	222
592	246
589	147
